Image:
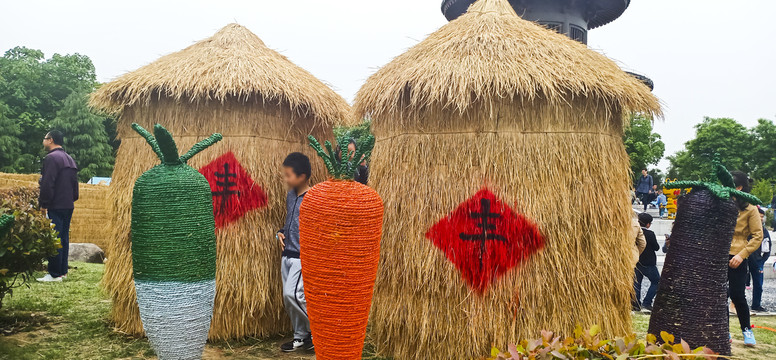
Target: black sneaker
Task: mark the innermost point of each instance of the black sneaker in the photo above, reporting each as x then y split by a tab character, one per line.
292	345
646	308
308	344
759	309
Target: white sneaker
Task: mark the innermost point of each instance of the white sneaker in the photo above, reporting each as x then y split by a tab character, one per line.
49	278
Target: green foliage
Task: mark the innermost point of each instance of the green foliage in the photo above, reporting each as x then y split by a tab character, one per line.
33	91
764	149
340	163
10	144
723	136
589	344
644	147
31	239
763	190
85	137
360	133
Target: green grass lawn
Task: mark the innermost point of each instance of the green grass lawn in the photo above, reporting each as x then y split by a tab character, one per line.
69	320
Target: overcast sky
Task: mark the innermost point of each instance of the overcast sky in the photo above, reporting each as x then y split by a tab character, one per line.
707	57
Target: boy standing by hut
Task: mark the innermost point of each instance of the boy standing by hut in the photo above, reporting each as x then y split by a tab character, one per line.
296	173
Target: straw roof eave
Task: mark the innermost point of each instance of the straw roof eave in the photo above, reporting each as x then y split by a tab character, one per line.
491	54
233	64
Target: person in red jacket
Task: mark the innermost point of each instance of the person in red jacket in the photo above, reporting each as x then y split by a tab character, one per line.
58	193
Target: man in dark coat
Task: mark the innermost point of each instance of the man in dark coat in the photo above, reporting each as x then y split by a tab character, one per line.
643	187
647	266
58	192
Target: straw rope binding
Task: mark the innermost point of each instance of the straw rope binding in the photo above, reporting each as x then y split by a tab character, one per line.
174	249
340	225
691	301
6	222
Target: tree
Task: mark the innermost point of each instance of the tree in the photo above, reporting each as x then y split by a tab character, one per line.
85	137
763	189
34	90
644	147
722	137
764	150
10	144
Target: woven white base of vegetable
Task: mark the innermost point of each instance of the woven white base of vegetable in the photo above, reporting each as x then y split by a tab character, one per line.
176	316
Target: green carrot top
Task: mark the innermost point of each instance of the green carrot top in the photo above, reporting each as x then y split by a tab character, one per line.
724	190
165	148
6	221
343	167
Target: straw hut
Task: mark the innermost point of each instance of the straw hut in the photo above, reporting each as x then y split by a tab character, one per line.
264	106
491	101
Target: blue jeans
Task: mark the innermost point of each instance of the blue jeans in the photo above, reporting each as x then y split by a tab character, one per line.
57	264
756	264
651	272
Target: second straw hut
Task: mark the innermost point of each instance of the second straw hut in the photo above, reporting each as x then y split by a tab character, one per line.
500	160
265	106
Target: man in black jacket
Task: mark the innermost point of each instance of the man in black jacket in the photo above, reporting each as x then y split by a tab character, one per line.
647	266
58	192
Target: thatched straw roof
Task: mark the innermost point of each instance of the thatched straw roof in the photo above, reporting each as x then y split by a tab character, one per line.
491	53
233	63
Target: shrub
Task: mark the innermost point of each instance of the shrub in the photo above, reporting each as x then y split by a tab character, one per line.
588	345
31	240
763	190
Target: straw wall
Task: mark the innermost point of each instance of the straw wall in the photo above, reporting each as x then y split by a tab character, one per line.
90	217
562	166
248	295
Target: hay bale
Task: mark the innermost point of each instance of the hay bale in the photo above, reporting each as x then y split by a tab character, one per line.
264	106
91	219
491	100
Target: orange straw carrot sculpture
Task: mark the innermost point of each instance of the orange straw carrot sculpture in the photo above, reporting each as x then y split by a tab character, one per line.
340	225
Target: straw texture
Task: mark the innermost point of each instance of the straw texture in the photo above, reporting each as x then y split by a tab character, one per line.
492	100
691	301
6	222
174	249
490	53
176	316
232	64
340	224
260	133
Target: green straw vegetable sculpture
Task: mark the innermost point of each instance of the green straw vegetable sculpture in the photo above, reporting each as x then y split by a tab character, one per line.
174	249
6	221
691	301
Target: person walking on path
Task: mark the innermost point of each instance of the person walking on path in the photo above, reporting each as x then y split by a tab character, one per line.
661	203
756	265
296	173
58	193
647	265
644	187
747	238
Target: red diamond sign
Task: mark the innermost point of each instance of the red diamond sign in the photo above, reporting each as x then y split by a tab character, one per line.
485	238
234	192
